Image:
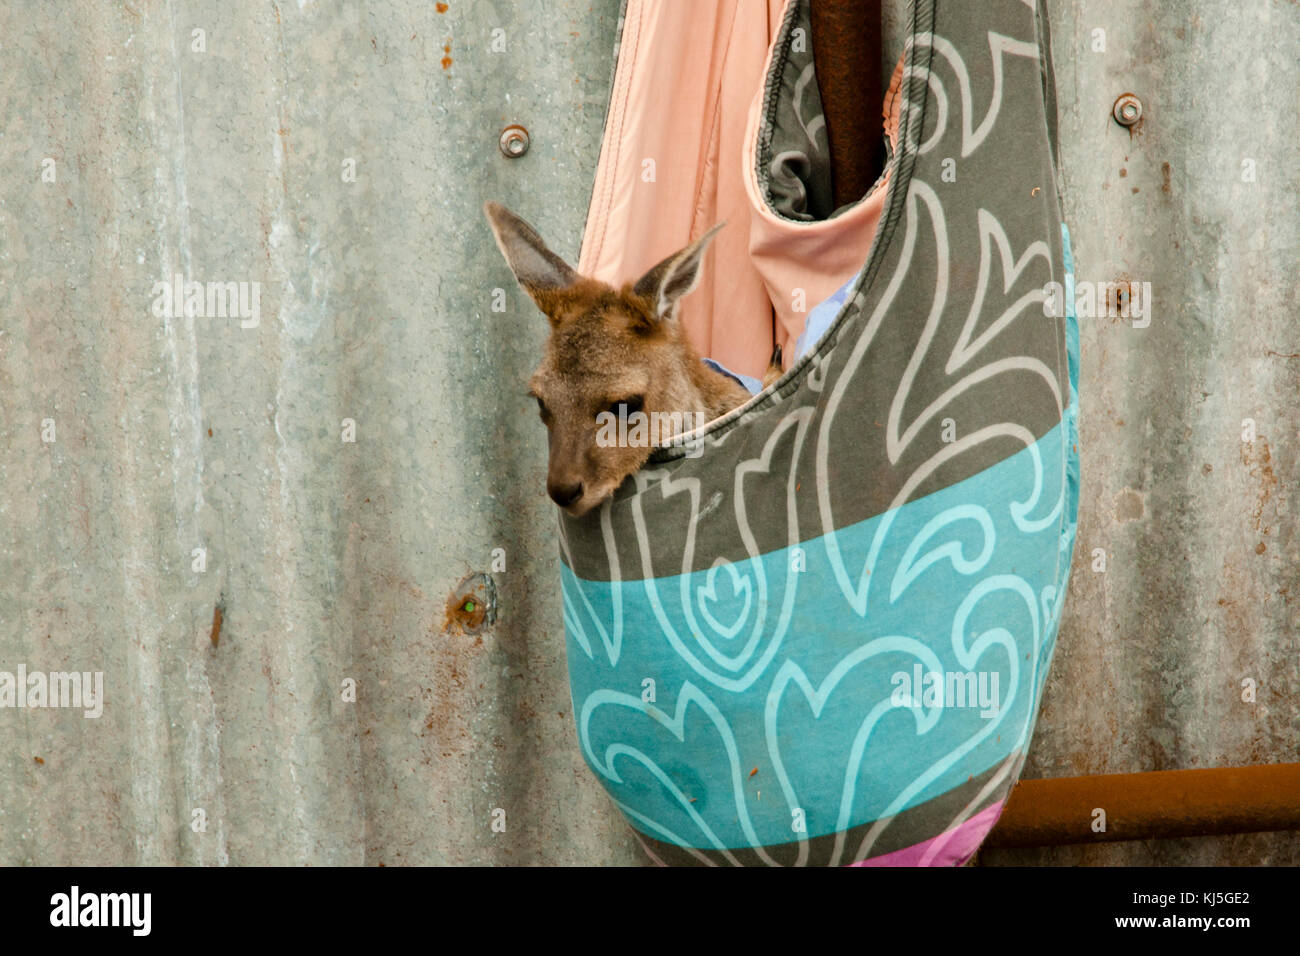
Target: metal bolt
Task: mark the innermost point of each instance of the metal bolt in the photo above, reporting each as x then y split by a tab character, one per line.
514	141
1128	110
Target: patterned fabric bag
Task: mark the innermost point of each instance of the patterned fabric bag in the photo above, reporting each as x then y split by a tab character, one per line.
817	631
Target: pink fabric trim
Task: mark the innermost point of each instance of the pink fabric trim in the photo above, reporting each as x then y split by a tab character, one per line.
685	104
950	848
685	77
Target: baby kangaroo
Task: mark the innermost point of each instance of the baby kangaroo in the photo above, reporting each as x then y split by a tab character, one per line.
618	375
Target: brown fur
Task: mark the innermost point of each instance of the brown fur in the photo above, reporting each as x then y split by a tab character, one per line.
607	346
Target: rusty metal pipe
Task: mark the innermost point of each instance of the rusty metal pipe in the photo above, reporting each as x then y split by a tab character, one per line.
847	50
1160	804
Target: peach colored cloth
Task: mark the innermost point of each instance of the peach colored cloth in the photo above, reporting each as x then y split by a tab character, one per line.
678	156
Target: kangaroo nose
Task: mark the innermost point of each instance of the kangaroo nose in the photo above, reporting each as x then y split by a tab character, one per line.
564	494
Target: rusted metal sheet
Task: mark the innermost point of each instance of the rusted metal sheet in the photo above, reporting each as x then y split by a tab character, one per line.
360	469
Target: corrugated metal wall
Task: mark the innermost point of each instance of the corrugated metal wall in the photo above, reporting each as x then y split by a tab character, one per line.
337	154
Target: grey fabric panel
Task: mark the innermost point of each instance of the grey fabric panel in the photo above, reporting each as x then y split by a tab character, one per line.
931	816
794	164
1005	190
1049	88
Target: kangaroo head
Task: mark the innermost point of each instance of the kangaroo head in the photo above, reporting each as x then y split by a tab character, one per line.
613	356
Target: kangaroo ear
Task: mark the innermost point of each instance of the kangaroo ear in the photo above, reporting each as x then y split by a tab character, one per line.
536	267
675	276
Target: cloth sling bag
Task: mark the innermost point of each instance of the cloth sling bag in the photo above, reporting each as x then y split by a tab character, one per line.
816	631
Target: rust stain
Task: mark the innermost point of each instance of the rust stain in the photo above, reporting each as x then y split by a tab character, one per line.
1137	128
1258	458
465	613
218	613
39	761
1129	505
451	698
1166	175
446	60
441	7
1238	622
1118	296
471	606
451	702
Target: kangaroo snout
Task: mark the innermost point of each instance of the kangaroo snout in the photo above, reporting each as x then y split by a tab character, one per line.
563	492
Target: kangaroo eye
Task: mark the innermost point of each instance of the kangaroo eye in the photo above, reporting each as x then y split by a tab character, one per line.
632	405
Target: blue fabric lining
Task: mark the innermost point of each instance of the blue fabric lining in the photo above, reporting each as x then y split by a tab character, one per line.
754	385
